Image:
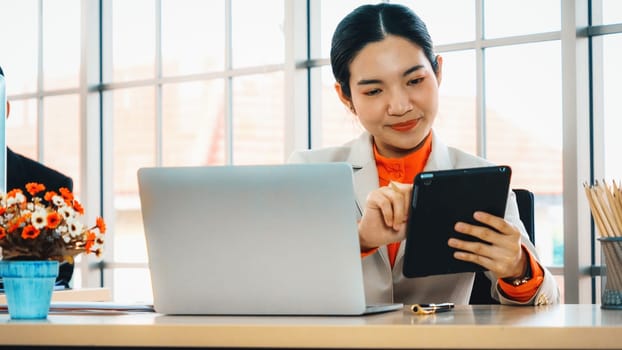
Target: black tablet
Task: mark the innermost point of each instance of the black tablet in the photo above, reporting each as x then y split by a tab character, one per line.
439	200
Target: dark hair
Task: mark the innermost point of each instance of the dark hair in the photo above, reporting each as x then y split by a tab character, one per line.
1	72
372	23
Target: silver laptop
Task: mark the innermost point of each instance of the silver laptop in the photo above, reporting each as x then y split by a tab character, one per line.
254	240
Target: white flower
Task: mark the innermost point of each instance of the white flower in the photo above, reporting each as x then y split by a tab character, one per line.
75	228
58	201
30	206
67	213
39	219
11	201
20	198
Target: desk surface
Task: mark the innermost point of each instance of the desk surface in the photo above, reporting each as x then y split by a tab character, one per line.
82	294
476	327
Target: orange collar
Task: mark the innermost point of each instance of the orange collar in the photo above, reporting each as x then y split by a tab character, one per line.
403	169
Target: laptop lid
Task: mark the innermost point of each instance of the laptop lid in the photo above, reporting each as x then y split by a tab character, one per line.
264	239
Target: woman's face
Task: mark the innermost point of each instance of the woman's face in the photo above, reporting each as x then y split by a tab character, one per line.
394	94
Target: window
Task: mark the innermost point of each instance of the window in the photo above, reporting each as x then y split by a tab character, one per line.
182	83
504	19
612	105
436	16
524	129
456	122
181	56
186	87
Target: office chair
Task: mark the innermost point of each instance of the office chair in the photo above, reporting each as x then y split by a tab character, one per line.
481	286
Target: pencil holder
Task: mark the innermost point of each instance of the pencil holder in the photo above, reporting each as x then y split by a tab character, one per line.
611	273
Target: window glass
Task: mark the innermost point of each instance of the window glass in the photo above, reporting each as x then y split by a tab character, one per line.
510	18
456	122
612	12
193	124
61	136
133	40
132	285
524	130
19	50
338	124
257	32
61	44
258	120
612	56
21	128
436	16
133	147
203	21
331	12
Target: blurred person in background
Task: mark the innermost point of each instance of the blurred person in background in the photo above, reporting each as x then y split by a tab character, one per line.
22	170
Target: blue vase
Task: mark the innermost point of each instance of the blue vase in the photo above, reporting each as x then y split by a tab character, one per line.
28	286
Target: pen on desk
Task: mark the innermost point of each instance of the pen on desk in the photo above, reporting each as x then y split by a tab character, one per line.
426	309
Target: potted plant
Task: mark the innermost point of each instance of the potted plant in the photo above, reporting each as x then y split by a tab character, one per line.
35	235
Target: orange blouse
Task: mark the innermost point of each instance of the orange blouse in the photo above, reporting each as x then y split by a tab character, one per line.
401	170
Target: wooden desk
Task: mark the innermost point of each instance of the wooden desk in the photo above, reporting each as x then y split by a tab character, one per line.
82	294
467	327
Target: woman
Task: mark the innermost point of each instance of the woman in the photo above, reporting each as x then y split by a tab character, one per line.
388	76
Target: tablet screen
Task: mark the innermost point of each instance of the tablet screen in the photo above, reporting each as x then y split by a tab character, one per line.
442	198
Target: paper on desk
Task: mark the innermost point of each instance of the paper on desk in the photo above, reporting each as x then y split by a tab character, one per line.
93	307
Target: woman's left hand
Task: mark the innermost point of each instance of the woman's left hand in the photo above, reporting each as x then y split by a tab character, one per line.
504	256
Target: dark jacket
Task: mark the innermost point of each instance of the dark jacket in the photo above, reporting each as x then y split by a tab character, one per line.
22	170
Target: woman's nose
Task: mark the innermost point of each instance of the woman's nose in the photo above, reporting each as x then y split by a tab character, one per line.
399	103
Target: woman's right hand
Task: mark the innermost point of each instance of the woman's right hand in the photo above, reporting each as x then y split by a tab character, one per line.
385	215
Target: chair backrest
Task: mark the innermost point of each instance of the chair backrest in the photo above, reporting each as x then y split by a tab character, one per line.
525	201
481	286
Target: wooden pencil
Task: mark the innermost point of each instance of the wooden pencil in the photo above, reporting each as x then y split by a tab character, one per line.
606	207
615	211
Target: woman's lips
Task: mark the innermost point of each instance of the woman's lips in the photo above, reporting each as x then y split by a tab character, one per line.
405	126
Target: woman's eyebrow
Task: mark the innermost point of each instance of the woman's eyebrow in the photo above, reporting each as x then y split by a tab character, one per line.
378	81
368	81
412	69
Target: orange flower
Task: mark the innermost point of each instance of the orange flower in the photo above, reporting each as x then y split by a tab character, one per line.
14	226
30	232
67	195
48	196
34	188
78	207
90	240
33	222
53	219
13	192
101	225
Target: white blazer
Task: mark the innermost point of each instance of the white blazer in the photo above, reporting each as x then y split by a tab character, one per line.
386	285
